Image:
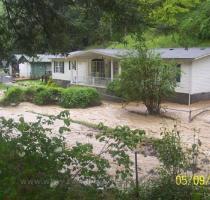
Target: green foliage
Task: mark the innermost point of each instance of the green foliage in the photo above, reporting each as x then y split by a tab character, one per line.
29	83
30	161
74	97
169	12
51	83
146	77
125	139
79	97
175	160
196	24
12	95
114	88
164	187
29	93
170	152
64	26
47	95
36	164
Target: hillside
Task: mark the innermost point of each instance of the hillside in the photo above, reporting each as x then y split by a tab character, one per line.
159	41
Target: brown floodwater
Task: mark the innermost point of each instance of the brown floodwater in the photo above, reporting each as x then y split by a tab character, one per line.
114	114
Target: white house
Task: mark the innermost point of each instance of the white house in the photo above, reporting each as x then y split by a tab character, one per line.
98	67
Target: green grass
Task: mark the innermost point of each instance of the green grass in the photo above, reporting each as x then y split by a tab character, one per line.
29	83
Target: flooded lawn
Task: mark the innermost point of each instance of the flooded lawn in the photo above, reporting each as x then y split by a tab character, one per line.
113	114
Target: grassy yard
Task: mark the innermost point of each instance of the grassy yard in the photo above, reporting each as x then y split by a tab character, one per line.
23	84
29	83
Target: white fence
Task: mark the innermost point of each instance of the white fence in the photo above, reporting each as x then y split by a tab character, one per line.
93	81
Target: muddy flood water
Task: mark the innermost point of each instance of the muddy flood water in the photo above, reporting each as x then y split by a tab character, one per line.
113	114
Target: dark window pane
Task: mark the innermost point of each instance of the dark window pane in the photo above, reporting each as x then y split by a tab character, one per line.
178	77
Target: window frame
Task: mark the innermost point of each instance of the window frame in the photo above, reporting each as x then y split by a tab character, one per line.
59	67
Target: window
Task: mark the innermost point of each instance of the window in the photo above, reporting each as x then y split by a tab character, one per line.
98	68
178	77
58	67
73	65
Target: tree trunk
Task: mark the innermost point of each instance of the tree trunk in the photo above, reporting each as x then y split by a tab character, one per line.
153	109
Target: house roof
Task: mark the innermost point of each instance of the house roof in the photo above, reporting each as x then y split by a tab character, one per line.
182	53
165	53
117	53
37	58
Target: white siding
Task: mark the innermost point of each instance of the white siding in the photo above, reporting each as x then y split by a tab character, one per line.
201	75
184	85
62	76
24	70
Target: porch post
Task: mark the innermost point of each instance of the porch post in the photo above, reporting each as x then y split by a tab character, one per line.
120	69
112	70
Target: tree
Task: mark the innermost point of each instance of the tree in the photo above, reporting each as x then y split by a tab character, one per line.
145	76
196	24
169	13
62	26
37	163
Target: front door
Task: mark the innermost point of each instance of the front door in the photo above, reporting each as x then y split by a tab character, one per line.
73	68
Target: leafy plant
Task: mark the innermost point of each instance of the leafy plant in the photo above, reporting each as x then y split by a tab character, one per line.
175	160
37	164
114	88
171	153
12	95
79	97
146	77
74	97
47	95
51	83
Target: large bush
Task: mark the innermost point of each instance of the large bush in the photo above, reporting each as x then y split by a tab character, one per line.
29	93
13	95
114	88
79	97
47	95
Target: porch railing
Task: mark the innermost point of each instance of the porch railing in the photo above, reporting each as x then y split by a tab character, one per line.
93	81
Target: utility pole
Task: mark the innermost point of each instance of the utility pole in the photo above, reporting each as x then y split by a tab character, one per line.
137	176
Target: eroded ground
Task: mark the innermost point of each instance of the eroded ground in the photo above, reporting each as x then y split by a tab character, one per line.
113	114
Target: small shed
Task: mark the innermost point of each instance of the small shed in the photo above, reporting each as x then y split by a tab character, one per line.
24	66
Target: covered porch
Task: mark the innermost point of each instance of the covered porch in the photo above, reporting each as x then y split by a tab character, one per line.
95	69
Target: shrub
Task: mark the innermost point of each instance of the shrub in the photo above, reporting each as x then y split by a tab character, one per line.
29	93
45	96
13	95
164	187
113	88
75	97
